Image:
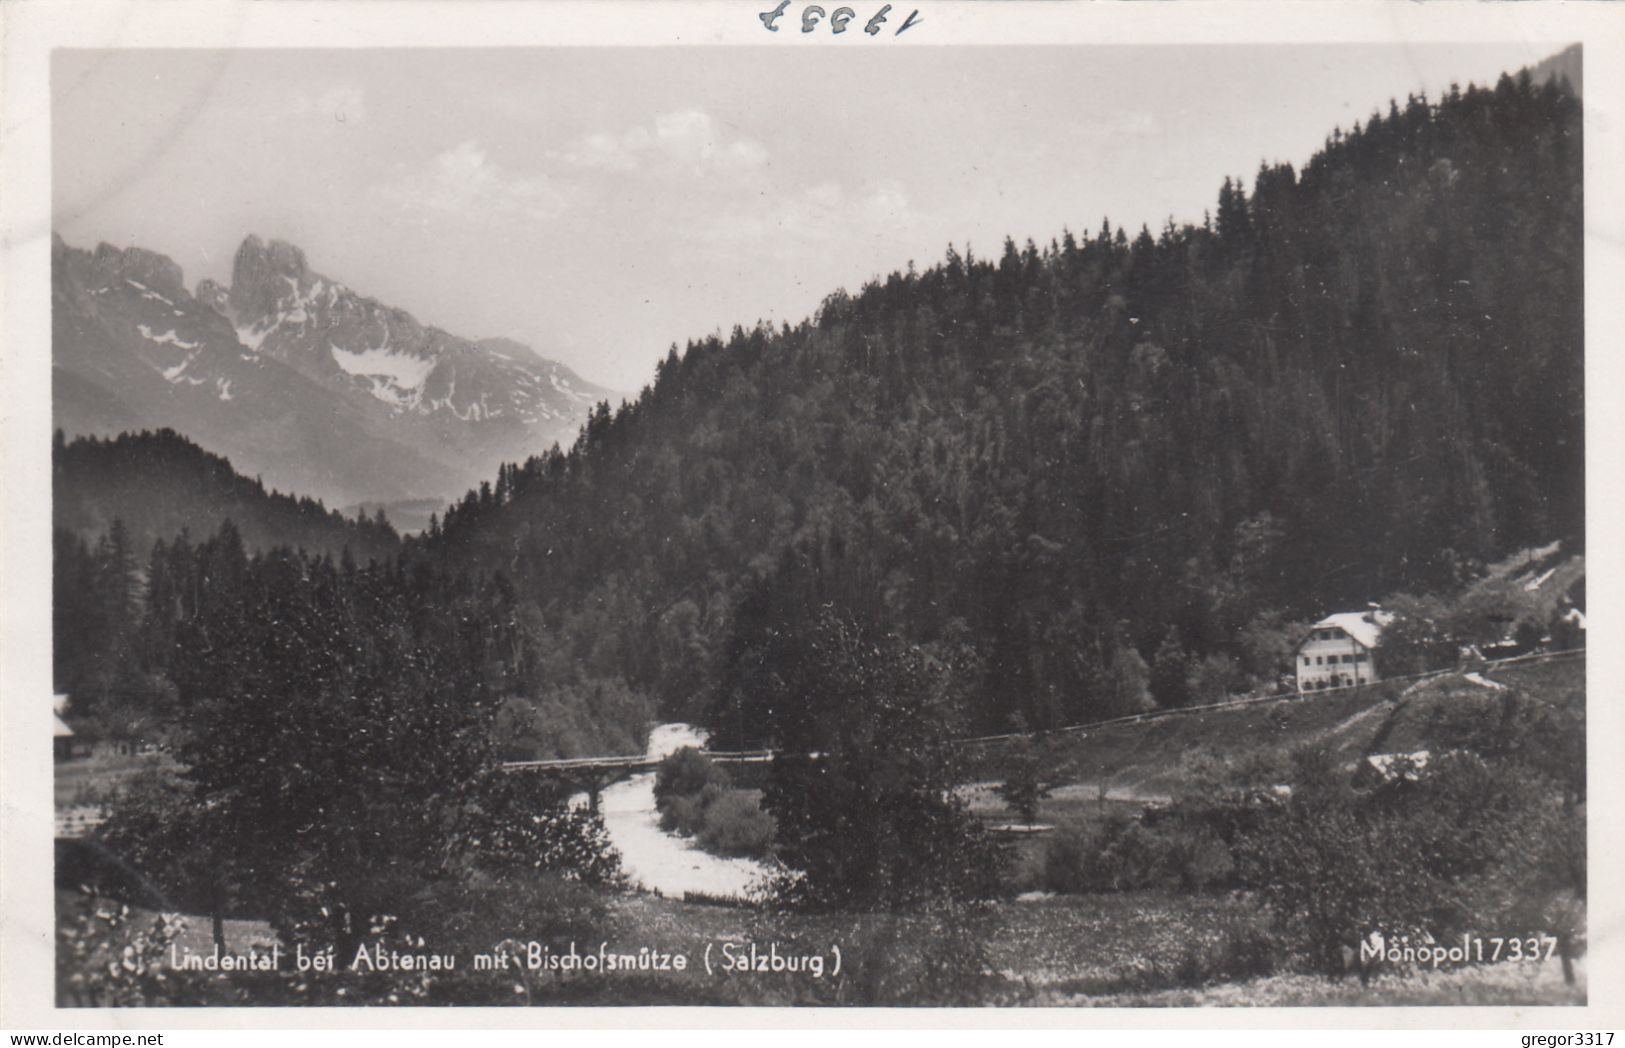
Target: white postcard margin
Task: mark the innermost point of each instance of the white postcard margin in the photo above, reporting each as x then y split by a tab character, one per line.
31	31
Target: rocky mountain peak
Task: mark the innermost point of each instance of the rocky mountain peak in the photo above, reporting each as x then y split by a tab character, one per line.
251	369
217	298
110	265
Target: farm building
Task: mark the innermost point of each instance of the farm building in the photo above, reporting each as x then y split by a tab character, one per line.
1339	650
61	734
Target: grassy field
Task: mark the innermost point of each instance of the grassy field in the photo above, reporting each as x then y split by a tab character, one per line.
1131	949
1127	949
1505	985
1151	760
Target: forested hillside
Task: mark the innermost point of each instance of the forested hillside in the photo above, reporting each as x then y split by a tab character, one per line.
1064	465
159	543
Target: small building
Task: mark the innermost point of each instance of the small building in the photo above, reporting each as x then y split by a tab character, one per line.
1339	650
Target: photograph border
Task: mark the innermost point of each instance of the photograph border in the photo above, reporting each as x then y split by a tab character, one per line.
32	31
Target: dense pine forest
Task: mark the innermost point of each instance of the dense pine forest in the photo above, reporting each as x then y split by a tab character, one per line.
158	485
1063	465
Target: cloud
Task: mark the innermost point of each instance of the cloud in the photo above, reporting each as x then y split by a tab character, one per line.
465	182
687	140
886	204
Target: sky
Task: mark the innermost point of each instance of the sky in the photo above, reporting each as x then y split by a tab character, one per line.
601	204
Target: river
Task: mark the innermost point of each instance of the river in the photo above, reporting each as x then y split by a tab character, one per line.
658	861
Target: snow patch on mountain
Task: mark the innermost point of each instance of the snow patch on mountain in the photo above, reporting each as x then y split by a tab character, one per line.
403	369
563	386
147	292
168	337
252	335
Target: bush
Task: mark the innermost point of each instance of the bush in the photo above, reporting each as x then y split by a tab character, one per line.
872	822
735	824
107	956
1129	854
477	910
685	772
1067	865
1241	951
1458	845
1418	638
696	798
1214	678
1023	788
682	813
525	824
725	821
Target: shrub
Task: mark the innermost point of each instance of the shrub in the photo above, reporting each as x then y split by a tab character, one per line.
1240	951
1067	857
1213	678
107	956
1418	638
479	909
525	824
735	824
873	822
685	772
682	813
1128	854
1023	788
696	798
1457	845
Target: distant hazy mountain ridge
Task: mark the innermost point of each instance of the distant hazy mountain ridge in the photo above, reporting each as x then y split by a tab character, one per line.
158	485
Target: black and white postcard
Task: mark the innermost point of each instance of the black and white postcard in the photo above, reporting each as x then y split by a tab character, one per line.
986	507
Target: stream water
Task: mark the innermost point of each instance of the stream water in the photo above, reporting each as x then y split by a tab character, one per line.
659	861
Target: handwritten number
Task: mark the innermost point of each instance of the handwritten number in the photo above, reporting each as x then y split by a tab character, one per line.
769	17
812	14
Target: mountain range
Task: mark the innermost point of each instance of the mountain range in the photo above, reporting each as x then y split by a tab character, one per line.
296	377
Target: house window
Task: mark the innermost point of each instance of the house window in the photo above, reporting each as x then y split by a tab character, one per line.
1319	660
1306	660
1359	656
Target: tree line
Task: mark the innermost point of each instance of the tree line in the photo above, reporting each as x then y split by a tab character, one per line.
134	638
159	483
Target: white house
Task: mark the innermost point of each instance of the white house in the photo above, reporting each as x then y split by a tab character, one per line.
1340	649
61	734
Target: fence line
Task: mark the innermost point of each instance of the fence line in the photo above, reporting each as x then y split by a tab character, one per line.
764	756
